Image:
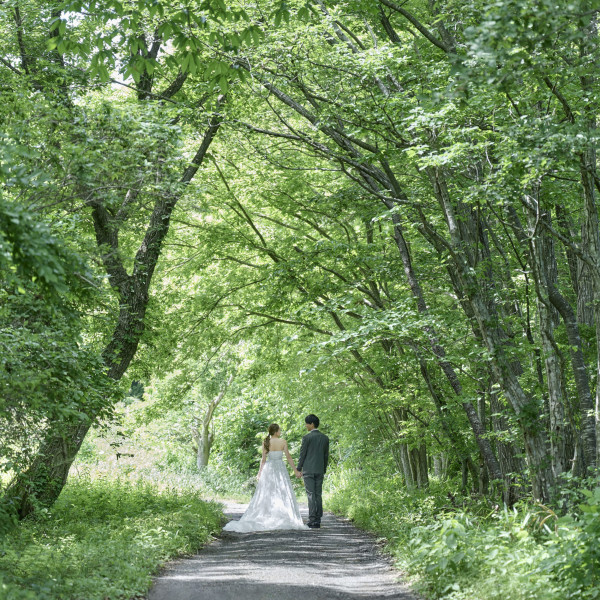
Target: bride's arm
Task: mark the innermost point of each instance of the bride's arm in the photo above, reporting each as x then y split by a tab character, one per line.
290	459
262	462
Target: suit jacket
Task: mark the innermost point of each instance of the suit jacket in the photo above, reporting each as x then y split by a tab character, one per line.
314	453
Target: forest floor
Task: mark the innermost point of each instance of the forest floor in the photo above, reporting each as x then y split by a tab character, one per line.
336	562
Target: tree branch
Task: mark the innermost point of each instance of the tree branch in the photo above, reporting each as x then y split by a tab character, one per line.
417	24
13	69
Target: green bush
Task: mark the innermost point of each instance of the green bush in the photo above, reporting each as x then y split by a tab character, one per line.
103	539
573	553
464	549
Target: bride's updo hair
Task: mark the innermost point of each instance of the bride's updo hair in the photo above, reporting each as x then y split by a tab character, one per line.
273	429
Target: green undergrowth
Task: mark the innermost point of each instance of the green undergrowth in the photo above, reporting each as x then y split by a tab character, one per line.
464	549
103	539
148	454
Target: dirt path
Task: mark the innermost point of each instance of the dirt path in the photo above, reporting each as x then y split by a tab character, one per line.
336	562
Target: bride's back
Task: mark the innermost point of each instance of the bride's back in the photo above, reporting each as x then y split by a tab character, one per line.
276	445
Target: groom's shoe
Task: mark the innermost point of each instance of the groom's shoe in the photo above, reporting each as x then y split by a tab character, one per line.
314	525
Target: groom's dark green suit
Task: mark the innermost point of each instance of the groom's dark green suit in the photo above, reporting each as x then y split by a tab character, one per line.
314	456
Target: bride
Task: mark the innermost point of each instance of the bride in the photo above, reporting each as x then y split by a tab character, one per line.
274	504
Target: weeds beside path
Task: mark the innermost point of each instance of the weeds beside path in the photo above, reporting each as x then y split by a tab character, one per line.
102	539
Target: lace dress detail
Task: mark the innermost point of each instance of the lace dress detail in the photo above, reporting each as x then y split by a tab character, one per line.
274	505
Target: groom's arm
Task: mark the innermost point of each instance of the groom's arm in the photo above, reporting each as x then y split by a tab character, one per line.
326	455
303	449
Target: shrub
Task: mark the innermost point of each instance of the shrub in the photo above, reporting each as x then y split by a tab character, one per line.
573	553
467	550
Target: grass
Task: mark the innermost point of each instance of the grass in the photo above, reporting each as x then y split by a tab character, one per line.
104	538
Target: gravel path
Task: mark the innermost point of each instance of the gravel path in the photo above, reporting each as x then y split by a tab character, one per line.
336	562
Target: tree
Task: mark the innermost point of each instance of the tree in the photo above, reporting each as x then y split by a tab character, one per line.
117	211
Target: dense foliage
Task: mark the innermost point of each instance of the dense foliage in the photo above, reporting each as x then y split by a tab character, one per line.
384	213
460	548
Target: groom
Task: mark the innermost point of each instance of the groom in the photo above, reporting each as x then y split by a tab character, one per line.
314	456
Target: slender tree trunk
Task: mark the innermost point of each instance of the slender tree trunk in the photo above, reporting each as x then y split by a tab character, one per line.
483	472
545	271
419	466
414	460
591	416
541	251
202	434
591	229
464	472
478	430
457	445
465	239
407	471
588	269
440	466
589	225
566	229
508	452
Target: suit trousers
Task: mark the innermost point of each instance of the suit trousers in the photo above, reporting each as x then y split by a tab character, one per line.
313	483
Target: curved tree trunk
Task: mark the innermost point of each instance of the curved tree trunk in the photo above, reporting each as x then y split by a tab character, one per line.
42	482
478	430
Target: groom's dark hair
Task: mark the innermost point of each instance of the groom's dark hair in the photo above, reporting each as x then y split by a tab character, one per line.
312	419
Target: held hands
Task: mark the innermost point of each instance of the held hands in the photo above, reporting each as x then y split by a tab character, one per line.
297	473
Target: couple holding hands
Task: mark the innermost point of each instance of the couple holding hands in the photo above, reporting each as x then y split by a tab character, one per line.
274	505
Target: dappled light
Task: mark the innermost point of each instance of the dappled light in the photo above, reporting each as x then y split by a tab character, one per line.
336	561
219	219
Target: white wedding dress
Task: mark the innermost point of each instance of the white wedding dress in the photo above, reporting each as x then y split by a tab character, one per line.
274	504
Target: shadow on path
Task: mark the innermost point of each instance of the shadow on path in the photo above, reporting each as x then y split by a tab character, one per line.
335	562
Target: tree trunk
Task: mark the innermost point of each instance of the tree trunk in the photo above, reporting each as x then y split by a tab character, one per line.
545	271
580	375
413	460
591	422
407	471
205	443
464	473
456	443
203	436
466	239
483	472
419	466
41	483
440	466
589	181
483	443
508	453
